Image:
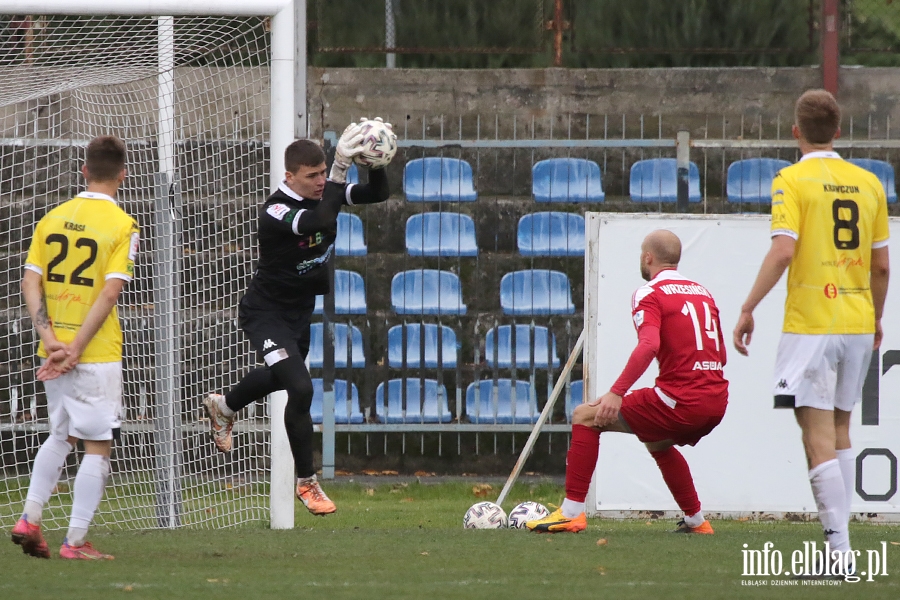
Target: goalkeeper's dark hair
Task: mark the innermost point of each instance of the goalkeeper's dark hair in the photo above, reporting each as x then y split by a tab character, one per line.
105	158
303	153
818	116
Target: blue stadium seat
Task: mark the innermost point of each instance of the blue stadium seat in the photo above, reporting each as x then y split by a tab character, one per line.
884	171
350	240
495	405
349	294
340	403
544	351
656	180
536	292
353	174
426	401
427	292
750	180
566	180
576	395
435	179
414	333
551	234
441	234
317	345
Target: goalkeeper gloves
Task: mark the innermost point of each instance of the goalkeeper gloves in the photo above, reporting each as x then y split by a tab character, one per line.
347	147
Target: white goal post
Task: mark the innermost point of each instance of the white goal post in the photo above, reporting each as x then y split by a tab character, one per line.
206	94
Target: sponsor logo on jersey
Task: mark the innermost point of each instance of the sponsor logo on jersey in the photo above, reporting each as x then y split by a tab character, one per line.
133	248
691	290
707	365
308	265
831	291
782	385
638	318
844	262
841	189
268	344
278	210
73	226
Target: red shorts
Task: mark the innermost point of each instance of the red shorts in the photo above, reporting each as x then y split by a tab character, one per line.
651	420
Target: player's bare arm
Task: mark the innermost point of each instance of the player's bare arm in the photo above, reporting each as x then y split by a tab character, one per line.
879	284
97	314
774	264
35	300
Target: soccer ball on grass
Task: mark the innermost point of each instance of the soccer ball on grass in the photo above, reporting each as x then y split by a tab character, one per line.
485	515
526	511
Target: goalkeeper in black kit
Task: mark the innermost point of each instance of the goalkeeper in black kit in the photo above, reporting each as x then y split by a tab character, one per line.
297	230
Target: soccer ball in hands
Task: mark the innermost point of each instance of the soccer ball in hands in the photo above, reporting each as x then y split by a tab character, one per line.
526	511
485	515
379	143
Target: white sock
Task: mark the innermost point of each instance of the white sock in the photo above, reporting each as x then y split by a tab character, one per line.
90	482
571	509
224	409
694	520
48	465
307	480
847	458
828	490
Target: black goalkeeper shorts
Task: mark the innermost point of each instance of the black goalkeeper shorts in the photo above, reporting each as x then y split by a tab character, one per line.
276	332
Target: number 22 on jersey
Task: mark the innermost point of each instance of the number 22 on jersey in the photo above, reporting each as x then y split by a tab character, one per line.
710	326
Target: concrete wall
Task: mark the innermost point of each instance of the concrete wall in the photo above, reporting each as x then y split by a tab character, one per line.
685	97
232	102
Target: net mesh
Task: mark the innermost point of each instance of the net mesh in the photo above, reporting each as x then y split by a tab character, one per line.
67	80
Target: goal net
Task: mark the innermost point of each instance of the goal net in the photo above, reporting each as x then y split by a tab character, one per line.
190	96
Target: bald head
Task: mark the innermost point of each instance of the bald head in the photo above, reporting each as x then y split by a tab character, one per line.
664	246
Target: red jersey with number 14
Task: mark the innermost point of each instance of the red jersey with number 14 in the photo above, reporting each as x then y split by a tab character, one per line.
691	347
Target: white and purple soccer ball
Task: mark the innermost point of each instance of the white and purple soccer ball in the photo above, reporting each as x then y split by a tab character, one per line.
526	511
485	515
380	145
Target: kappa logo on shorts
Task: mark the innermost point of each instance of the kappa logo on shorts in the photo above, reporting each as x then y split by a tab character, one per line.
782	385
268	344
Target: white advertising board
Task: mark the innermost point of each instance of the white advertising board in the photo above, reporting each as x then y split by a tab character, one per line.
753	461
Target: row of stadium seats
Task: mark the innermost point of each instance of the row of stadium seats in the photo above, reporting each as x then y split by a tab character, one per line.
449	234
434	179
422	343
426	402
433	292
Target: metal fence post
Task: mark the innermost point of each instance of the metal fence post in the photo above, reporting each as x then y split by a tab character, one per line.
328	438
683	162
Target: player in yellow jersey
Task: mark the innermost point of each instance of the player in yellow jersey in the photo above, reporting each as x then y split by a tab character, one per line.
81	256
830	228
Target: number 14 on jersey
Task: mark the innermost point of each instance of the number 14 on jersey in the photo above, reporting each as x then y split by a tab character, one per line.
710	326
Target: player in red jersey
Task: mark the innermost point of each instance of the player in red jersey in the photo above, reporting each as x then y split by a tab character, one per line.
677	322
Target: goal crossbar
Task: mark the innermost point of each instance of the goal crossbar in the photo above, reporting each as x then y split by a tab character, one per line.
237	8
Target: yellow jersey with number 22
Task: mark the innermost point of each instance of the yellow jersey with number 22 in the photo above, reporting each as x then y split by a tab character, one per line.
837	212
76	247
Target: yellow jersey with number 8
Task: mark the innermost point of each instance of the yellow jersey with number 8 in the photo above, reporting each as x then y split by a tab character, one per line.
837	212
76	247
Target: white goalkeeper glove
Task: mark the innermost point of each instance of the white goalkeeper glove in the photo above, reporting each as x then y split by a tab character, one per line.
347	147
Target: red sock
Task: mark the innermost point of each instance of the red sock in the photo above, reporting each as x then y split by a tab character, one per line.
677	475
581	461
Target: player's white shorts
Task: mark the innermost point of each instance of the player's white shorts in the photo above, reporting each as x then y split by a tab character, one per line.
86	402
821	371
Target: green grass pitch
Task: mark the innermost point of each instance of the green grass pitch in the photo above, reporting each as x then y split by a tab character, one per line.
407	541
